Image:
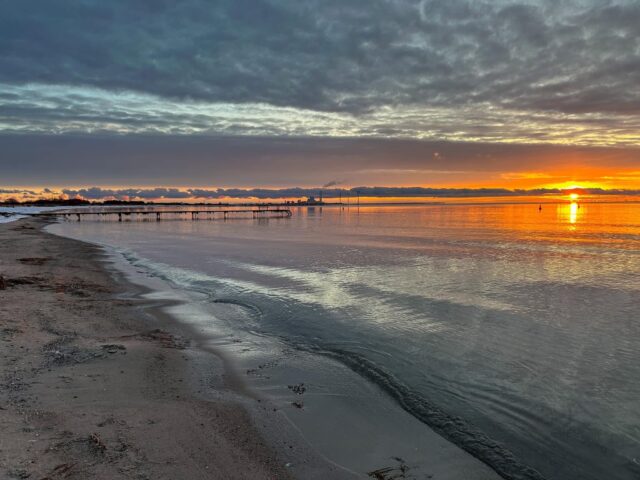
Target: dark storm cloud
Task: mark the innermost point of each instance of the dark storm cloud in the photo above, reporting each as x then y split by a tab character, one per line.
574	57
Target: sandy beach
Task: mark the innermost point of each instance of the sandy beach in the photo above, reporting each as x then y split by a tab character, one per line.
92	387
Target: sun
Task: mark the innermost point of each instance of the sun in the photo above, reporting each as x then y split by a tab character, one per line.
574	196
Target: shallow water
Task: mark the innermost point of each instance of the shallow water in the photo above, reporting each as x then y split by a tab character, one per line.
513	332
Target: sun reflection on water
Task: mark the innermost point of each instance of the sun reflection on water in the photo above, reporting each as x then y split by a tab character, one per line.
571	214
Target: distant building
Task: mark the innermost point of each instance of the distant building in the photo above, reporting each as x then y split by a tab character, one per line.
311	200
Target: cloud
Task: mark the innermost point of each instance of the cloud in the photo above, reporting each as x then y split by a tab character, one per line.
16	191
526	175
37	108
500	70
95	193
222	194
201	161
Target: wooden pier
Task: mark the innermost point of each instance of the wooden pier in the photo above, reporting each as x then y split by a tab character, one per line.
158	214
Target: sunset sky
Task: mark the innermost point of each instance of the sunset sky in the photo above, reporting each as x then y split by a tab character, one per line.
303	93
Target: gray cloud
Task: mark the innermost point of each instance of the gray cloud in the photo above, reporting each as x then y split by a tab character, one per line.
144	193
97	193
111	90
202	161
357	56
62	109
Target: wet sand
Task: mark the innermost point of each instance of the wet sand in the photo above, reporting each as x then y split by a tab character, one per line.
93	387
97	381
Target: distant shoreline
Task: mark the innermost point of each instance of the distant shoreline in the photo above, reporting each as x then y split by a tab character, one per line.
452	201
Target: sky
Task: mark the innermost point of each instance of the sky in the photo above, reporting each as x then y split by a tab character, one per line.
128	96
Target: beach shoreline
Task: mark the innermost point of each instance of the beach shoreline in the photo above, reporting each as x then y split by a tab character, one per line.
95	387
116	386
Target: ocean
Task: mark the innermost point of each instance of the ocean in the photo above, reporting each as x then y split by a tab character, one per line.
512	331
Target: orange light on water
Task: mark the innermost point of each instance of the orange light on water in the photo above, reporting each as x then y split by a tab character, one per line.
573	211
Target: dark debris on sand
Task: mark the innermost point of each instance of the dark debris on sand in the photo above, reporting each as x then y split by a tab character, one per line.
397	472
298	389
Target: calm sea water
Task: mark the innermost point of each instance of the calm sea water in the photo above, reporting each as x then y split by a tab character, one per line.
514	332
